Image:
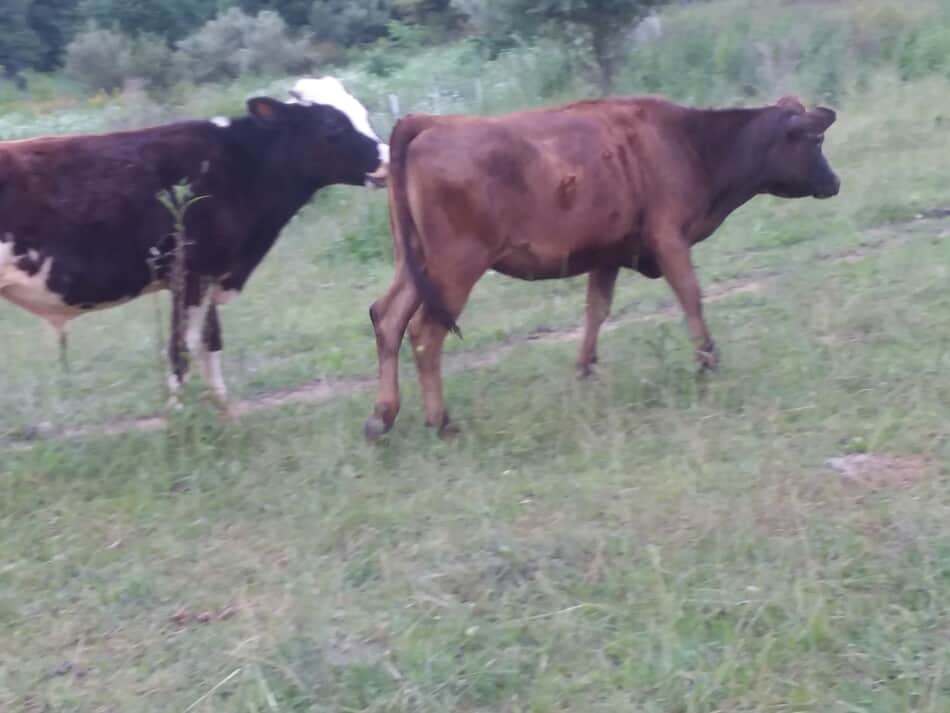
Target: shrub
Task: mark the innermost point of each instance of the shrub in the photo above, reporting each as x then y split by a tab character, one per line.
99	59
102	60
347	23
235	43
151	59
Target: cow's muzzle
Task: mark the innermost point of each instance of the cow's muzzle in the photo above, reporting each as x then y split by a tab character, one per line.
829	188
379	177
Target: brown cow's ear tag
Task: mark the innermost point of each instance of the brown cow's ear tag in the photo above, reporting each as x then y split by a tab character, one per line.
264	109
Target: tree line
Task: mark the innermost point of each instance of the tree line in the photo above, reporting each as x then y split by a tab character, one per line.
118	36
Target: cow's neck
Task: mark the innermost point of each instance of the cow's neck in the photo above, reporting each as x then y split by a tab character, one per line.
727	143
273	187
272	195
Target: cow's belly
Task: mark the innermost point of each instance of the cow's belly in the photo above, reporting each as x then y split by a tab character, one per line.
541	262
25	281
525	264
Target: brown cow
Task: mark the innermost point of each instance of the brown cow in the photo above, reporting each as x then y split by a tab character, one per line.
589	187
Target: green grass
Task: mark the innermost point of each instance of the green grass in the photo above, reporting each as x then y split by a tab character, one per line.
640	542
627	544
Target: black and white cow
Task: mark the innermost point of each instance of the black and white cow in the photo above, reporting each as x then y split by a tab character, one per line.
81	228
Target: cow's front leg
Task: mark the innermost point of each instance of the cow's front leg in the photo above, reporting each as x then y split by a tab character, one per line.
211	361
600	293
203	338
673	254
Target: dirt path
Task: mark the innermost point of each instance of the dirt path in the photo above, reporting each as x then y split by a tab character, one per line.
321	390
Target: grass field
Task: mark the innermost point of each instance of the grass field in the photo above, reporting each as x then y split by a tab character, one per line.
640	542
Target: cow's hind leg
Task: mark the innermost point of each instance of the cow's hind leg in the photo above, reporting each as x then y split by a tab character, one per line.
427	336
600	293
389	315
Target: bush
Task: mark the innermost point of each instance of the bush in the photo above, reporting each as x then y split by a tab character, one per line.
151	59
102	60
348	23
99	59
235	44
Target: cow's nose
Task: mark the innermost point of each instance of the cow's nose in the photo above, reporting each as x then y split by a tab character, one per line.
830	189
379	177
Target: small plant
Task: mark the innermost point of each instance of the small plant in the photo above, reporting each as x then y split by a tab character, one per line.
177	200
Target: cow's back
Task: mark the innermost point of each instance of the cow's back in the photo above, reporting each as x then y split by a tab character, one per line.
86	206
550	192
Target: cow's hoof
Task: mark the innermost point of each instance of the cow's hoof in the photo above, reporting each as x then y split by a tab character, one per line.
375	428
449	429
225	408
708	358
173	405
585	371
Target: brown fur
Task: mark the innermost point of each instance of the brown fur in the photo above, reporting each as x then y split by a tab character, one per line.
586	188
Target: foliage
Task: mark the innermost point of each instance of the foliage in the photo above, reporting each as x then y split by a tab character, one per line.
171	19
347	22
236	43
102	59
20	46
602	23
99	58
53	21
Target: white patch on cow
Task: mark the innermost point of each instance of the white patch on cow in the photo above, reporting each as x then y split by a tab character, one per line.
205	166
214	375
222	122
222	297
31	291
383	153
195	325
174	393
174	386
329	91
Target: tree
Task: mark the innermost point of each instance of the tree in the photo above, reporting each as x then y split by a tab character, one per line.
171	19
20	47
347	22
295	12
54	22
603	23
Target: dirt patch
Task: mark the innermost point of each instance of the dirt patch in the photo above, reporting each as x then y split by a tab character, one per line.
876	472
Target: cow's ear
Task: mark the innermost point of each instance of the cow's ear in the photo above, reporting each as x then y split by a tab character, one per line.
814	122
265	109
791	103
821	118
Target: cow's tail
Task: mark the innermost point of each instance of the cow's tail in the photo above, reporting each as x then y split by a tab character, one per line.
405	131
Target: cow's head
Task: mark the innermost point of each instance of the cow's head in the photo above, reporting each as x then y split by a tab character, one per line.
332	136
795	165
